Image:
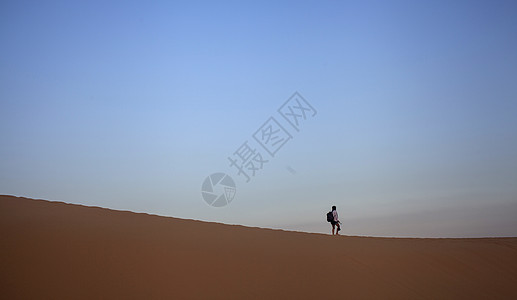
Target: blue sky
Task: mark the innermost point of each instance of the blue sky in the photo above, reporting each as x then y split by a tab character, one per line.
130	105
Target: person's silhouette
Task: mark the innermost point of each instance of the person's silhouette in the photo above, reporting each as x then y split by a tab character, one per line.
335	221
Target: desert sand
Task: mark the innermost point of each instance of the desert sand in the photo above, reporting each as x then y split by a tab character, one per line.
54	250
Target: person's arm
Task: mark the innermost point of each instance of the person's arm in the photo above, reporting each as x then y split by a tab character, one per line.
334	213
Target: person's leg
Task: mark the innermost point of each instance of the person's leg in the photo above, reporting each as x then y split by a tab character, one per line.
333	226
338	228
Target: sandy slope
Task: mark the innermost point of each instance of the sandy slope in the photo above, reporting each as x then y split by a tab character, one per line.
63	251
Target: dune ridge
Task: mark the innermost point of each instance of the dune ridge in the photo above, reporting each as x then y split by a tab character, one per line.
54	250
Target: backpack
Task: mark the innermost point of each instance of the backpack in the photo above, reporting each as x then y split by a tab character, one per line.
330	217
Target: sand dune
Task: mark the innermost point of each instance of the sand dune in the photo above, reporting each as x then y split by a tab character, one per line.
53	250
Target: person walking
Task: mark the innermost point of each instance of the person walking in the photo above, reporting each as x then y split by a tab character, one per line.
335	222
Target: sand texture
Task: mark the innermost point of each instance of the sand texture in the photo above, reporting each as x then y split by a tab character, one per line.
53	250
